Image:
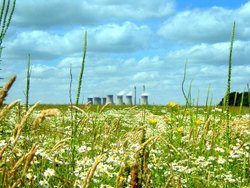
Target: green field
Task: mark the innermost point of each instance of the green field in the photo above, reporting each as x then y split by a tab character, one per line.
123	146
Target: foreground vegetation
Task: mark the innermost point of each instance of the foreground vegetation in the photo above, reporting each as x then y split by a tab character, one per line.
167	146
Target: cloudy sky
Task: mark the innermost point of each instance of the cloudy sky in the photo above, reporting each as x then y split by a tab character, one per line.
130	43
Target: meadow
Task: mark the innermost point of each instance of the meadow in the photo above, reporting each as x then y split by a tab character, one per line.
123	146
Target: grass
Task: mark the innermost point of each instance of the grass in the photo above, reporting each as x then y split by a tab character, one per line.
121	146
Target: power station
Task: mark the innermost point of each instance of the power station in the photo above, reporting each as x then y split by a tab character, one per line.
121	99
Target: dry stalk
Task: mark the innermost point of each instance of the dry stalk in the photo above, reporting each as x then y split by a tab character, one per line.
19	127
29	158
59	145
18	164
3	150
169	180
7	108
143	145
91	171
79	109
134	183
120	178
206	126
5	89
41	117
205	131
11	173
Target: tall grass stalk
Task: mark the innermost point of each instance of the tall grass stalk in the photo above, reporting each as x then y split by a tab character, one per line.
82	69
242	100
182	86
5	17
6	13
229	84
235	98
74	124
28	73
248	90
208	106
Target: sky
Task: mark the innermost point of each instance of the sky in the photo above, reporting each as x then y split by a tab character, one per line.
129	43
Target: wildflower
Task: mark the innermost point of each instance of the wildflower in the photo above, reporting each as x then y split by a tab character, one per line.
49	172
172	104
208	146
179	129
168	119
219	150
197	122
201	159
221	160
211	158
217	110
152	122
83	149
30	176
2	143
44	183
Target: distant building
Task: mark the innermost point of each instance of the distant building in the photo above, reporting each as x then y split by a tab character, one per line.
144	99
129	100
97	100
109	99
90	100
119	100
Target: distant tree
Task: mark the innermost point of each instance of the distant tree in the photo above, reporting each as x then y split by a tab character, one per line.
235	99
6	12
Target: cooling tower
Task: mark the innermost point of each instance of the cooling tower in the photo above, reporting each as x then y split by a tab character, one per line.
104	100
97	100
129	100
144	99
90	100
119	100
109	99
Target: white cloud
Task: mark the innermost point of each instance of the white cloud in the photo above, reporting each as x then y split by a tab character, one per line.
209	25
40	14
126	37
213	54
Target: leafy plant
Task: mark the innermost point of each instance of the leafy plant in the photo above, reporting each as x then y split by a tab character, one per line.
6	12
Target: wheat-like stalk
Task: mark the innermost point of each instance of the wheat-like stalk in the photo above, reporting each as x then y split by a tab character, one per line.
19	127
91	171
7	108
42	116
6	88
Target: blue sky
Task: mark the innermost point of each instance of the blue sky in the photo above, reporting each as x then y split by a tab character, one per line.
130	43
